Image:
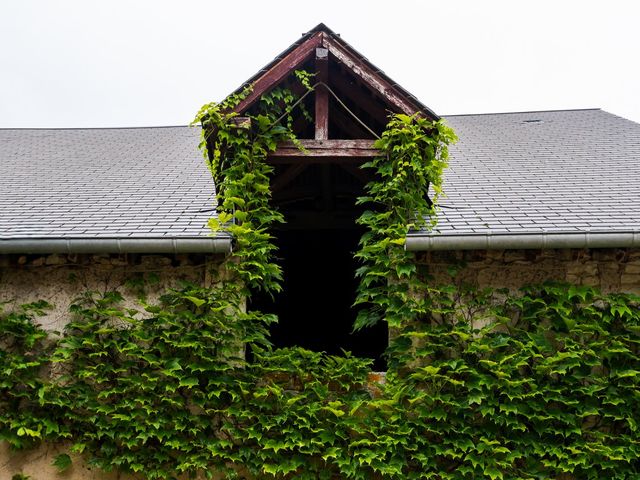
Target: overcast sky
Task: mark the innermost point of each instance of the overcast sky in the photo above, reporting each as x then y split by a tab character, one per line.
81	63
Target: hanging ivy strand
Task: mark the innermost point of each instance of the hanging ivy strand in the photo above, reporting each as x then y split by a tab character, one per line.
236	150
403	197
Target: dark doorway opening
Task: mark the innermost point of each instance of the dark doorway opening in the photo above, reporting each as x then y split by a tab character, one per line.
315	308
316	250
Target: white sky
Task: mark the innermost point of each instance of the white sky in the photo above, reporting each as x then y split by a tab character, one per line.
83	63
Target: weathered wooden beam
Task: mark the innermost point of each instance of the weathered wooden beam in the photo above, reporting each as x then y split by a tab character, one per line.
314	160
345	89
322	95
280	70
370	77
319	150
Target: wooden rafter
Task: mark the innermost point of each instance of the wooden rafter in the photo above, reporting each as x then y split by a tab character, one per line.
369	76
278	72
356	79
344	89
303	50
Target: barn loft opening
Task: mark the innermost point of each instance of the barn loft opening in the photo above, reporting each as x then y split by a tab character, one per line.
316	251
316	190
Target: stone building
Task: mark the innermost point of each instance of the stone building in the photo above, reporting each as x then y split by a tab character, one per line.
530	197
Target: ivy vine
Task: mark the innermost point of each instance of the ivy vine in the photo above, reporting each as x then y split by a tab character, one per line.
541	383
413	155
548	387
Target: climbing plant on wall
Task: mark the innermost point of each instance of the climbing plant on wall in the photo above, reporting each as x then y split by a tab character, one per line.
403	196
544	386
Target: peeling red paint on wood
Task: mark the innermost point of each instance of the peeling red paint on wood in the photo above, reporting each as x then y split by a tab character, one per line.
323	150
345	89
280	70
369	76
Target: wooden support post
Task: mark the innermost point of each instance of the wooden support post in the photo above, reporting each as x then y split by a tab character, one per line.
322	95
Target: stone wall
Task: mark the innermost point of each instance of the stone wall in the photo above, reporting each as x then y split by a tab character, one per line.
37	464
59	279
610	269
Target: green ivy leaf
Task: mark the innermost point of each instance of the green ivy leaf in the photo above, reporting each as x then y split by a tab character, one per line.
198	302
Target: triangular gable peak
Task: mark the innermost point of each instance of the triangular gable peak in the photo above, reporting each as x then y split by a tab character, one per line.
349	107
352	98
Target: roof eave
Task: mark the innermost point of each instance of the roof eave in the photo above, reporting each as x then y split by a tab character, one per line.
116	245
417	242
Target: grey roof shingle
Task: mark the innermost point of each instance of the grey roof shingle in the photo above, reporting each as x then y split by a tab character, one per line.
98	183
542	172
514	173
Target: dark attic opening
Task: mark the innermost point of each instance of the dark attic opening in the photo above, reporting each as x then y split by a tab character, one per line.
317	194
316	251
317	189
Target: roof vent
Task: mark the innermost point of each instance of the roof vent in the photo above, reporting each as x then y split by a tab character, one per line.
533	120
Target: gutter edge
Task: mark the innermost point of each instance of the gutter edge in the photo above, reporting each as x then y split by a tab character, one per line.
416	243
116	245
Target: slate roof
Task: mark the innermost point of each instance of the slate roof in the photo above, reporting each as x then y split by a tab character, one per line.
534	172
556	172
98	183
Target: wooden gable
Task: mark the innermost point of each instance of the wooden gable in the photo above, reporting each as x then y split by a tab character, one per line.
352	98
350	106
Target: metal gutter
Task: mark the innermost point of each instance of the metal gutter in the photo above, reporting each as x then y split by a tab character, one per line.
417	242
116	245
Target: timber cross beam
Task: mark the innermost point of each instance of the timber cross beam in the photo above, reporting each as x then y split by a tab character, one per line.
323	151
317	151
